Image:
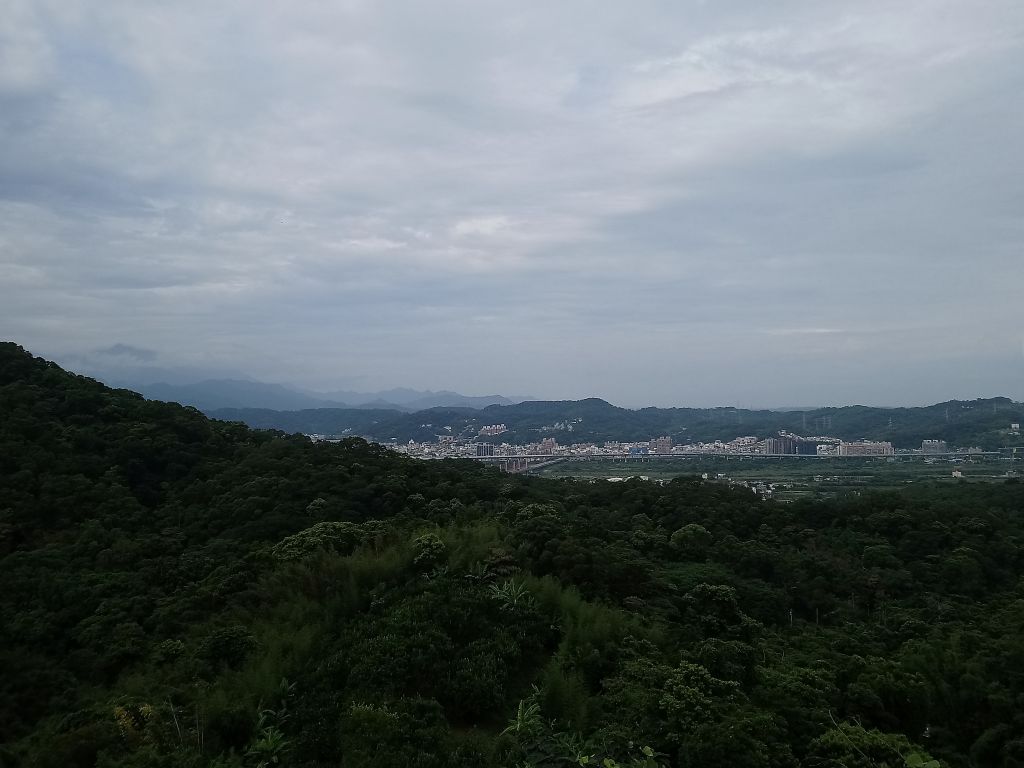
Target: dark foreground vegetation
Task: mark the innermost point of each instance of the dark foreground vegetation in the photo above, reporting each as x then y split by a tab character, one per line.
183	592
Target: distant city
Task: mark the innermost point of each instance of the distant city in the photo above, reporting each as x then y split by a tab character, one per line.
786	444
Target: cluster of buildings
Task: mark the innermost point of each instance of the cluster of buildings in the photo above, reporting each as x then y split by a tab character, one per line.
452	447
783	444
448	446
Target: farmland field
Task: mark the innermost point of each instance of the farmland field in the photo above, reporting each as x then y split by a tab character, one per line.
792	478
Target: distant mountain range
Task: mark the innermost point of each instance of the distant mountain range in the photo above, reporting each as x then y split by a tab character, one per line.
234	393
215	394
416	400
984	423
405	414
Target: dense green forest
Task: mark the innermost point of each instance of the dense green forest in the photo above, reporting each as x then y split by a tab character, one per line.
983	423
185	592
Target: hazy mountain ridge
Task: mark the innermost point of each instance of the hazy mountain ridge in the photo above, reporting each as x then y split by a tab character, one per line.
405	414
231	393
980	422
216	393
404	398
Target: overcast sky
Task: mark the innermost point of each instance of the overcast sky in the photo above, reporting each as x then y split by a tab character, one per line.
698	203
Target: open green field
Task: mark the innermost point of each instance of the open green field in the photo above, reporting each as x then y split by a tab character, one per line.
795	477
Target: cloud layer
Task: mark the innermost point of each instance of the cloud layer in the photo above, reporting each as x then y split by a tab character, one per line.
686	203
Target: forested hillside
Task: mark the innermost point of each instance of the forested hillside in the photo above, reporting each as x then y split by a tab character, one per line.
983	423
184	592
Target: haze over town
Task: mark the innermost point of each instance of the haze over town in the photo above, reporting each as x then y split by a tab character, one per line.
759	205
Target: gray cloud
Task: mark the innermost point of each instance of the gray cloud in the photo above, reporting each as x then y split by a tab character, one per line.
759	203
127	350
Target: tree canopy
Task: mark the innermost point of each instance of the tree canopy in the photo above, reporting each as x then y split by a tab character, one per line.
179	591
